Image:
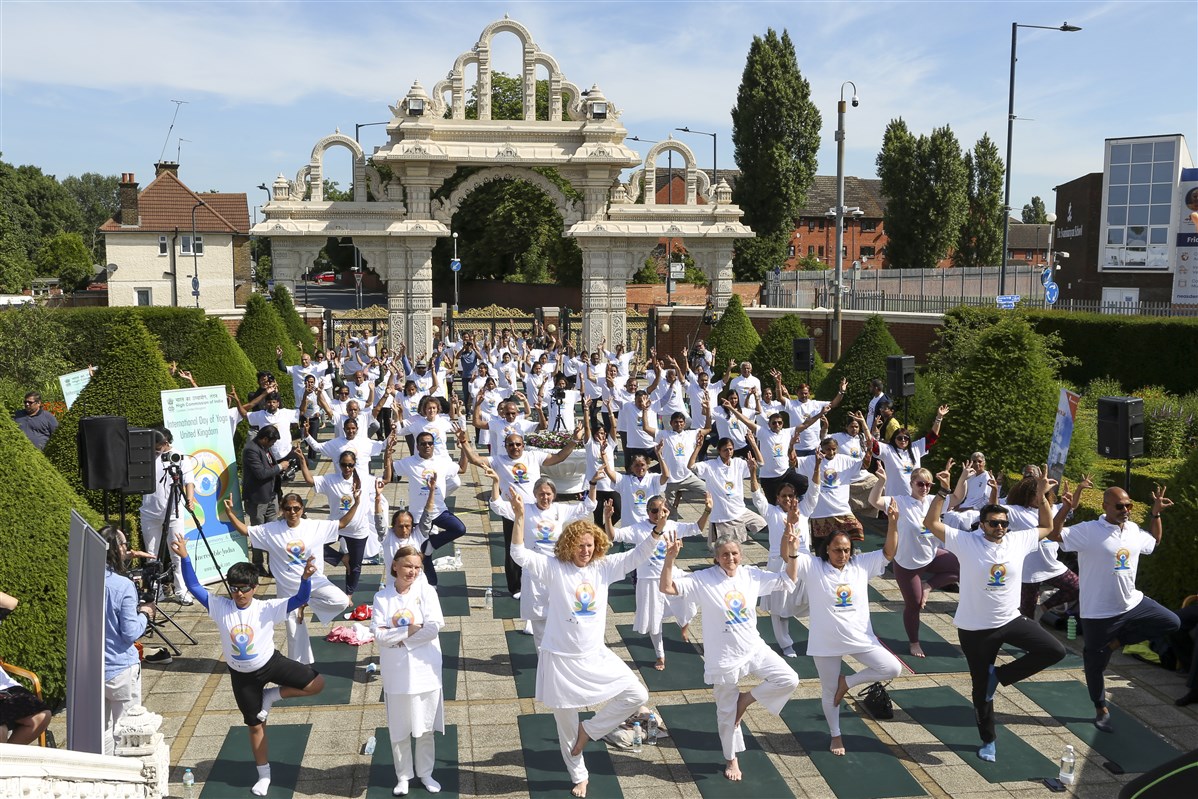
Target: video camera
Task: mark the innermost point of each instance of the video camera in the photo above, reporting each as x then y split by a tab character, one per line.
171	457
290	472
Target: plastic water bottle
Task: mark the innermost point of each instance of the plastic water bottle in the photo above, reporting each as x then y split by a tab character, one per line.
1068	763
457	557
1071	628
189	784
370	745
636	736
488	598
372	669
651	733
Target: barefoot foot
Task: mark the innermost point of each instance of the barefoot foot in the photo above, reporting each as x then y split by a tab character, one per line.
743	701
732	770
923	599
837	747
660	665
842	688
916	650
580	744
580	789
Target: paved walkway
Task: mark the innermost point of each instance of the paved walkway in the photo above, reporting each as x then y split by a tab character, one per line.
194	697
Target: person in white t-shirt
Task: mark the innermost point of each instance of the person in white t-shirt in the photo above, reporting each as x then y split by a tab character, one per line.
677	445
902	456
745	383
724	478
988	616
406	619
804	408
733	649
837	582
246	629
576	668
338	490
281	418
290	541
832	474
157	511
794	504
918	553
1114	613
638	484
977	486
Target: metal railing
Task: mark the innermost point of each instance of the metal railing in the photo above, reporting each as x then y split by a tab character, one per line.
918	303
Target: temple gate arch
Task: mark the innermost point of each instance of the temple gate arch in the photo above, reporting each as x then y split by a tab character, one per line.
396	217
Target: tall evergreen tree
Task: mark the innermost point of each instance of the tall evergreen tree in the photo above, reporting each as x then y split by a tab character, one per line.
980	238
775	133
1034	212
924	183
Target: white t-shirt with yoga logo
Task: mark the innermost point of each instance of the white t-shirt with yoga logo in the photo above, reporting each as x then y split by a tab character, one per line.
991	576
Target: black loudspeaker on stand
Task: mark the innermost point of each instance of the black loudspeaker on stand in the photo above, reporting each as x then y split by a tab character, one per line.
900	376
803	352
1121	430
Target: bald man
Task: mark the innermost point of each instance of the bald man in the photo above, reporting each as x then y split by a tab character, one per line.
1113	612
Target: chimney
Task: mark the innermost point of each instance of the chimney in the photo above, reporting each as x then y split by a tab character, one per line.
166	166
128	199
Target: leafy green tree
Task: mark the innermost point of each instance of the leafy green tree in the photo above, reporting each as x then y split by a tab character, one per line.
507	98
98	198
334	194
648	273
262	330
33	347
36	207
280	298
733	336
65	256
775	134
864	360
924	183
35	519
980	240
16	270
1003	397
776	351
1034	213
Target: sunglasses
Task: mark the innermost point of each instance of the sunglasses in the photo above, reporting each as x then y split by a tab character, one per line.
902	438
292	508
1123	506
998	523
921	484
242	589
347	465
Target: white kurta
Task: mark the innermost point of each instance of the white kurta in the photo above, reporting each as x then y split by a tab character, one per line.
410	664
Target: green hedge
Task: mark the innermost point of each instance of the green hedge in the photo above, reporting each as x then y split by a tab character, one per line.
297	331
864	360
733	335
1135	350
129	379
776	351
1168	574
35	517
260	332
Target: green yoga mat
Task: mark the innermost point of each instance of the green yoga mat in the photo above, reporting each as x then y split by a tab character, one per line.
233	771
864	754
454	595
942	657
693	731
621	596
382	766
803	665
523	652
503	606
684	665
337	663
950	717
496	550
547	777
368	584
1132	745
451	659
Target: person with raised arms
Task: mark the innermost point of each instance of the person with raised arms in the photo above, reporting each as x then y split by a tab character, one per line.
576	668
988	616
247	638
732	647
789	511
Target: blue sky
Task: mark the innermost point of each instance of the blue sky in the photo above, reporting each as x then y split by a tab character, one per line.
87	87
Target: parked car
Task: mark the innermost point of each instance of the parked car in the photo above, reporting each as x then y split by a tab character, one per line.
327	276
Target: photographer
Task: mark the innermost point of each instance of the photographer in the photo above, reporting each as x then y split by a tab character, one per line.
160	510
561	405
261	483
125	620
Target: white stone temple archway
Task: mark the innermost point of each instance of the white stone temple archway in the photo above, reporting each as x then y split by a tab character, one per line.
395	221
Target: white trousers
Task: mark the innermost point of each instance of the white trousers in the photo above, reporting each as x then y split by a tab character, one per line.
606	719
880	665
408	766
326	601
778	683
538	632
151	537
120	693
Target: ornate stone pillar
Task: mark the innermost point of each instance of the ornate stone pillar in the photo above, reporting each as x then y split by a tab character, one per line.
530	82
290	257
606	269
409	272
483	93
715	259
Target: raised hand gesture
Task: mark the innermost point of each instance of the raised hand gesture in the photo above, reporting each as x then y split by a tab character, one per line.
309	568
178	545
1159	500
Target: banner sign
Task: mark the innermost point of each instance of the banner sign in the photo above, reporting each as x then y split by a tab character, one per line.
1062	433
199	421
1185	266
73	385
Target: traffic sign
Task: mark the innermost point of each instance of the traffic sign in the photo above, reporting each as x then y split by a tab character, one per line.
1052	293
1046	276
677	269
357	279
455	264
1007	301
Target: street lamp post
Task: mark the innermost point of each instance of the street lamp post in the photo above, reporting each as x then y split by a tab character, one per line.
195	257
455	273
1006	211
714	153
359	125
840	209
254	277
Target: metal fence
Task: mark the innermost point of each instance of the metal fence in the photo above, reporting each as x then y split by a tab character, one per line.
340	324
918	303
805	289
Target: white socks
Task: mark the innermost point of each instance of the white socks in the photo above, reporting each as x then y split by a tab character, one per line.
431	785
269	697
263	784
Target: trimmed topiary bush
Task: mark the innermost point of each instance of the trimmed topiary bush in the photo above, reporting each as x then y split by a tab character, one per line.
260	332
176	330
776	351
864	360
733	336
280	298
129	381
35	518
1003	399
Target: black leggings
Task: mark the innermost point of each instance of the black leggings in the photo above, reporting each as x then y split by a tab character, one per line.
511	570
981	648
356	548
